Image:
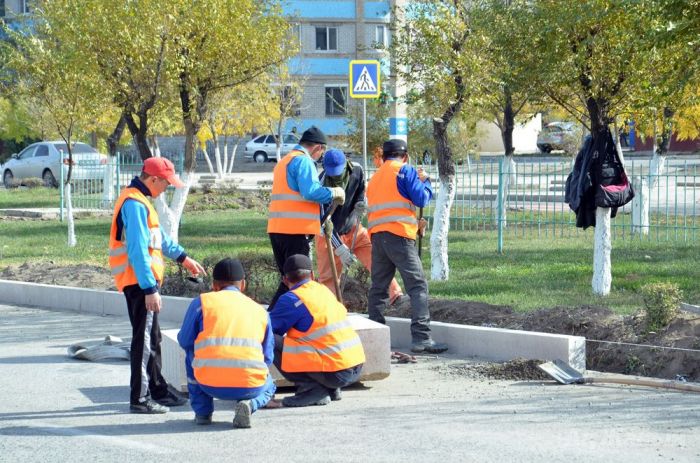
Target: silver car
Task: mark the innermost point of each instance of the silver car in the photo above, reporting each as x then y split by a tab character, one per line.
263	148
556	135
43	160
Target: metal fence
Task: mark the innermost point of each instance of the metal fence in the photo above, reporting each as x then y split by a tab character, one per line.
530	201
95	185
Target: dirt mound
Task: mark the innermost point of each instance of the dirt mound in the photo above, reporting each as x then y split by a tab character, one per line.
515	370
50	273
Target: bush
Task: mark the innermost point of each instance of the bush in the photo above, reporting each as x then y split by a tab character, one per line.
33	182
661	301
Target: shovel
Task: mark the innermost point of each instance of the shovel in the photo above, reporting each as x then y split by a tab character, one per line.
331	256
565	374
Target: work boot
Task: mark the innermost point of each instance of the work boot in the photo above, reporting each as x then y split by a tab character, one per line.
335	394
170	399
317	395
242	418
149	407
428	346
202	419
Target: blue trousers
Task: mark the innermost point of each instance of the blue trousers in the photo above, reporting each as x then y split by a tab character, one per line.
202	397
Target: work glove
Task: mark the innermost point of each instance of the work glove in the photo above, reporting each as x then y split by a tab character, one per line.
346	257
328	227
338	195
360	208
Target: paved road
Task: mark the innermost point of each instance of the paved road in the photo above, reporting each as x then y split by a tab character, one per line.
57	409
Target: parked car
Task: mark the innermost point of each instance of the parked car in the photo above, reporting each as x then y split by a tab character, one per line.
557	136
43	160
263	148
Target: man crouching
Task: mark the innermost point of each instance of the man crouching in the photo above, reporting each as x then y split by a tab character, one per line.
321	352
228	341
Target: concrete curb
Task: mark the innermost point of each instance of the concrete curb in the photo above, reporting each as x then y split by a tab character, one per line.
494	344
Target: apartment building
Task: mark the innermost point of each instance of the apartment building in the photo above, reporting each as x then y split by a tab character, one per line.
331	33
12	8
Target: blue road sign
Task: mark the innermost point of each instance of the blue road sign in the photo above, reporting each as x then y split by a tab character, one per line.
365	79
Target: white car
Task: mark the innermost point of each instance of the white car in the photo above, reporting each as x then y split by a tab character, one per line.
263	148
43	160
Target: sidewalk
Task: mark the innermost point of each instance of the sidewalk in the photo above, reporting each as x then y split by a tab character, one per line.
58	409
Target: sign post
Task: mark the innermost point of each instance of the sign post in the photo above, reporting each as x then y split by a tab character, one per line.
365	83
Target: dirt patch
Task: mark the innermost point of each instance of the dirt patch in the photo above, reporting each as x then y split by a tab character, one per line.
515	370
668	353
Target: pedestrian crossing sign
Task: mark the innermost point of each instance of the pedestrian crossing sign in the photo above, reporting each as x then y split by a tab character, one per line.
365	79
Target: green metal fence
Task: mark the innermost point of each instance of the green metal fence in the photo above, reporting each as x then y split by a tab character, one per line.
95	185
530	201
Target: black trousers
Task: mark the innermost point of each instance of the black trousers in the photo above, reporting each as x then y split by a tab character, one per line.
146	379
284	246
329	380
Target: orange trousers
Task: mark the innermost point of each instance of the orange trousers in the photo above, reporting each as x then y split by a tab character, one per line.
362	250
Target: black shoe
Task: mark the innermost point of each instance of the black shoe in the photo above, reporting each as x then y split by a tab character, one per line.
335	394
149	407
316	396
243	412
171	400
429	346
202	419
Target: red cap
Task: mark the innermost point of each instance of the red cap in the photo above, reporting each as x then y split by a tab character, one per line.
163	168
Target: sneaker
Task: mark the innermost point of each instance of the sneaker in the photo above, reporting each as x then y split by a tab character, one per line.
316	396
202	419
171	400
242	418
429	346
335	394
149	406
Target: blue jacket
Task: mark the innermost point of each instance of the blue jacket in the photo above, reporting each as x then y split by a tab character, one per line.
193	324
133	220
411	188
289	312
302	176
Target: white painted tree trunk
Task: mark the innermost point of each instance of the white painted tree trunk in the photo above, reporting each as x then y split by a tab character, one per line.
439	265
170	215
208	159
217	158
602	274
69	213
640	206
278	152
233	158
510	178
225	162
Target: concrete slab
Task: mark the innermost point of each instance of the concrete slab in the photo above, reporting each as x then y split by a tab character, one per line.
497	344
59	409
466	341
374	337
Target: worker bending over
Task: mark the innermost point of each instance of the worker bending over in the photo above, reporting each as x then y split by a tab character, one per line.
295	201
228	343
321	352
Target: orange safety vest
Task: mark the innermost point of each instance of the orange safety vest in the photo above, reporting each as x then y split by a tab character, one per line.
122	271
290	213
330	344
228	351
387	209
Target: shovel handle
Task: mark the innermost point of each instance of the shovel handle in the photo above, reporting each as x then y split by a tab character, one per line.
331	256
659	383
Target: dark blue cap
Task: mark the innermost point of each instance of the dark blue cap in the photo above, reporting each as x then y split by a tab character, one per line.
334	162
228	270
394	145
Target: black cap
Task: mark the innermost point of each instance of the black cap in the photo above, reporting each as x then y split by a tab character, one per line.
314	135
296	262
394	145
228	270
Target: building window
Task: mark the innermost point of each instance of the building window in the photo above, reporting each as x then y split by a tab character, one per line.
326	38
296	34
24	6
2	8
336	96
380	36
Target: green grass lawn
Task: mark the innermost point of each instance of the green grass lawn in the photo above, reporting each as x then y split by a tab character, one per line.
29	197
532	273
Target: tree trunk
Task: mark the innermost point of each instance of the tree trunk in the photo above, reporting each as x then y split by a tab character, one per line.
233	158
217	155
440	269
602	273
208	159
69	214
139	133
115	136
225	162
170	215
